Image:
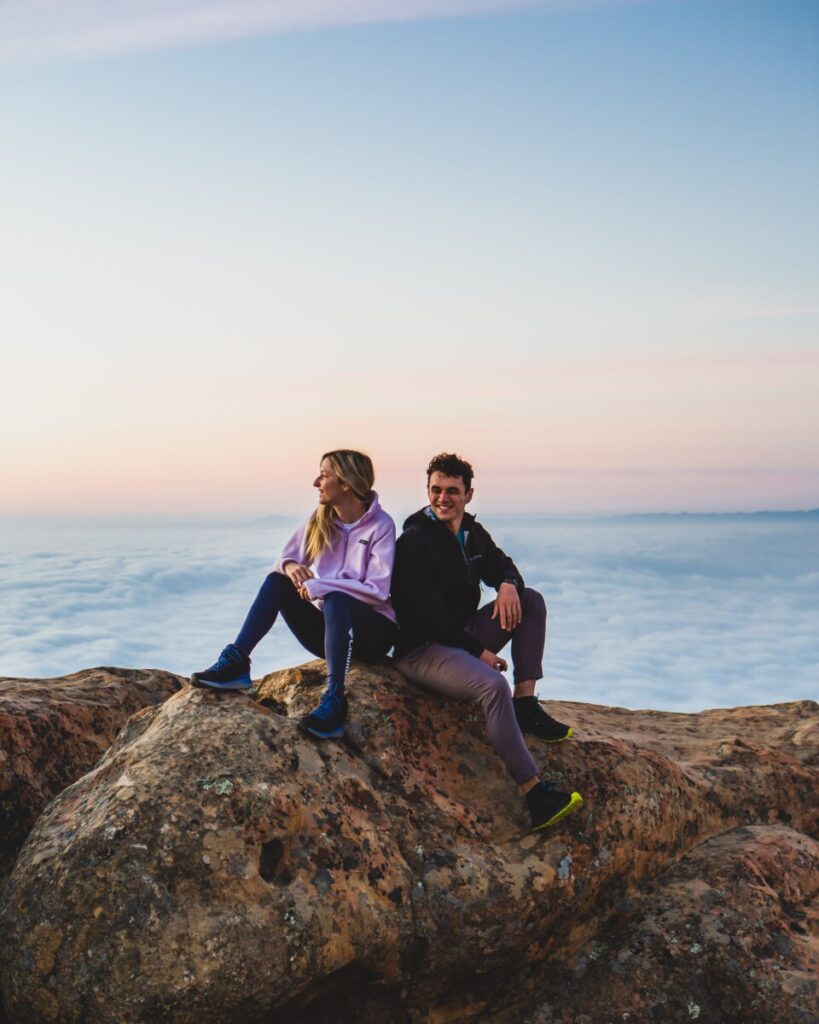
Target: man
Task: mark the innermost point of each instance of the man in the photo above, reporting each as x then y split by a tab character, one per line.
449	645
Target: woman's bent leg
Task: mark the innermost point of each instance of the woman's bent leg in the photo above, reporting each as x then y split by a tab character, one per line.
277	594
231	670
327	720
338	639
351	628
373	633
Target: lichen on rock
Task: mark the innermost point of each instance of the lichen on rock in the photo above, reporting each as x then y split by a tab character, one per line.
219	864
52	731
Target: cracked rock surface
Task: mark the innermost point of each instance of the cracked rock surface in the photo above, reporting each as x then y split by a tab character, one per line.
217	864
52	731
727	935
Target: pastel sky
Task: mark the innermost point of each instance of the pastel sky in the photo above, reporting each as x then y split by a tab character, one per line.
576	242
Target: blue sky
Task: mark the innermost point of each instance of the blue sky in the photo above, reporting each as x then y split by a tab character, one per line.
595	224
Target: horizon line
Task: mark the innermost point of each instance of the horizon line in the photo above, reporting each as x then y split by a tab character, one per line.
293	517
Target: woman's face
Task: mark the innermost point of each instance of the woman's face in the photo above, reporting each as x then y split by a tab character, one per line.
330	489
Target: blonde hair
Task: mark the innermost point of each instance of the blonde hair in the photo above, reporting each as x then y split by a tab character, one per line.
352	468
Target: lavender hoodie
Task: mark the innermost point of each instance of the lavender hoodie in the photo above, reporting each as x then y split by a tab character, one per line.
358	563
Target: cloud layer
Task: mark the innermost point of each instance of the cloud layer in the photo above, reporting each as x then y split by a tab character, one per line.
680	614
41	28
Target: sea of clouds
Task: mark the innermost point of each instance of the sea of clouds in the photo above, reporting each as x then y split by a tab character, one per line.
670	612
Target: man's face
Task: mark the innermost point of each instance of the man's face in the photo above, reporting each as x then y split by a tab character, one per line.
448	497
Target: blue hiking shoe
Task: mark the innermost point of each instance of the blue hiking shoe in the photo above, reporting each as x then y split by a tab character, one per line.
230	671
327	720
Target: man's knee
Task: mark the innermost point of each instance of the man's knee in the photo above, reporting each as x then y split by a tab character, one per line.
533	603
493	687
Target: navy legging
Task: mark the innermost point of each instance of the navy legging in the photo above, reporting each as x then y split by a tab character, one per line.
345	628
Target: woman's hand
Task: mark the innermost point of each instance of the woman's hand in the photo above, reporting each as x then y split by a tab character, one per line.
304	594
298	574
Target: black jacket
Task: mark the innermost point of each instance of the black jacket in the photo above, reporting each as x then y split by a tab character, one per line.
436	584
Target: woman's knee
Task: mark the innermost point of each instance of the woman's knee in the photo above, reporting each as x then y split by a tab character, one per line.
280	584
278	587
336	599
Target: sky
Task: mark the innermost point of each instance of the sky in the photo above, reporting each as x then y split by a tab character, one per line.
576	242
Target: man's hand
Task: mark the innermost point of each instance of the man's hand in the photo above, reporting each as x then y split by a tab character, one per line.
494	660
507	606
298	573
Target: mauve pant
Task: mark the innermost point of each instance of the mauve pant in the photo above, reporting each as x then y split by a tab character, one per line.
456	673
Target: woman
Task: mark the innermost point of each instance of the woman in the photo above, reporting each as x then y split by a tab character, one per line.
350	541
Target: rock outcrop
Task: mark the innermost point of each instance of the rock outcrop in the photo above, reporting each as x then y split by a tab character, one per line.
216	863
727	935
52	731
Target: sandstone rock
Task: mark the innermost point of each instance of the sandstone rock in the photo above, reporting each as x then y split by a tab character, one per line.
729	934
53	730
217	863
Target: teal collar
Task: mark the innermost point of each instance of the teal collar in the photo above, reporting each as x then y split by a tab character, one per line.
461	534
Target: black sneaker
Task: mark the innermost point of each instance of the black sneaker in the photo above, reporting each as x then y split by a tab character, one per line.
548	805
533	719
327	720
230	671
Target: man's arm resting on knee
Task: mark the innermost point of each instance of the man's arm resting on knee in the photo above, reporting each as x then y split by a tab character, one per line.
497	567
507	606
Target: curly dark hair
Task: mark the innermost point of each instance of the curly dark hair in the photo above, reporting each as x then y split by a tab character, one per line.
451	465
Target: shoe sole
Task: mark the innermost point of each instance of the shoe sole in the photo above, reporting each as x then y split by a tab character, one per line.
544	739
333	734
234	684
574	804
562	738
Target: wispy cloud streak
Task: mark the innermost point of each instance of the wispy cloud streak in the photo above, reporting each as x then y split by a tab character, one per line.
38	29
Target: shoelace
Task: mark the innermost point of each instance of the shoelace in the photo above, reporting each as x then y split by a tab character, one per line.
229	657
328	706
